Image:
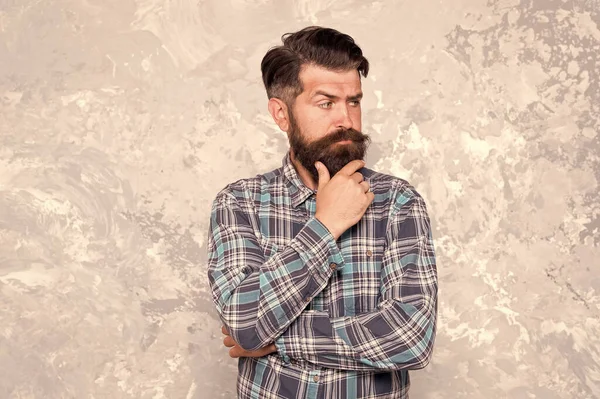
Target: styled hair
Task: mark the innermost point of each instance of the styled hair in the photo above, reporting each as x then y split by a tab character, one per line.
314	45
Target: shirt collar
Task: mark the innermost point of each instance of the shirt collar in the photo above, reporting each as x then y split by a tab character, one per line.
299	192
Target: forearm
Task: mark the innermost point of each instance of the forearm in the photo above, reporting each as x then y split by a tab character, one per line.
400	332
395	336
262	300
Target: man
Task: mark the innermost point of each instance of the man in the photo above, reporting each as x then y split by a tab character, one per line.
323	271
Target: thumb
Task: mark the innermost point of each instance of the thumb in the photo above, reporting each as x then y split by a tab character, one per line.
323	175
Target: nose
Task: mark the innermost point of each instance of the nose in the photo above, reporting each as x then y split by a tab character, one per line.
343	118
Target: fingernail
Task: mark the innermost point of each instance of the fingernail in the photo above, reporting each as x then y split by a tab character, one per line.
317	165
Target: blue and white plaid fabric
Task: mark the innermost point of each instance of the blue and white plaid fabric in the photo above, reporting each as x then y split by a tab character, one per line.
349	317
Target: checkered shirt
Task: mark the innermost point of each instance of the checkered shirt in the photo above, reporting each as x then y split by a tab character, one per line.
349	317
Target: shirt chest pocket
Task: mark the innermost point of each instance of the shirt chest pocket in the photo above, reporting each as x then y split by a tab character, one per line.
360	278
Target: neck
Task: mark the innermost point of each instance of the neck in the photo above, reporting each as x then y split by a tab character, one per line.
303	173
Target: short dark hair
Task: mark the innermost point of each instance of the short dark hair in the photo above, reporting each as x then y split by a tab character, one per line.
314	45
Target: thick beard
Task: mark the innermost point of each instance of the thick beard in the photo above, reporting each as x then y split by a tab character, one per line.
333	156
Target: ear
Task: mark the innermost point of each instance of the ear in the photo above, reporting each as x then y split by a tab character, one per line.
279	112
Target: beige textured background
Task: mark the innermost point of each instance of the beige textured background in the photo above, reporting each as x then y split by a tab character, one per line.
121	119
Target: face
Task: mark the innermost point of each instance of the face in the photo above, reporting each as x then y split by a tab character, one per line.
325	120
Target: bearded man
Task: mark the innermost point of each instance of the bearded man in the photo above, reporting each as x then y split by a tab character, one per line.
323	271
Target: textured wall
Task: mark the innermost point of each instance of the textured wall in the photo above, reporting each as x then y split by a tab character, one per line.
121	119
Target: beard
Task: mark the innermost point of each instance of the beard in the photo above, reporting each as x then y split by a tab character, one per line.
326	150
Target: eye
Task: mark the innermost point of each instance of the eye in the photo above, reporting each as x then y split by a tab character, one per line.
355	103
326	105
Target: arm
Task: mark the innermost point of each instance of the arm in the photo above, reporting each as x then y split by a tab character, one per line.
400	333
259	298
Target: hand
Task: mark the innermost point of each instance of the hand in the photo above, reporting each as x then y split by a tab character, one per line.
343	199
237	351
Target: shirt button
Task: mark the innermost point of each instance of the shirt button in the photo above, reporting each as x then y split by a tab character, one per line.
369	253
307	299
332	266
316	378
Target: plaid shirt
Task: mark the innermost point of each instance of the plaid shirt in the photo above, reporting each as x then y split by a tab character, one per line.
349	317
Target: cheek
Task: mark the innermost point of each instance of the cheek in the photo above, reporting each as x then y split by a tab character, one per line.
357	119
318	126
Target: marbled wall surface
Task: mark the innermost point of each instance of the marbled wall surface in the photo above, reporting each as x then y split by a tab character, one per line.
120	120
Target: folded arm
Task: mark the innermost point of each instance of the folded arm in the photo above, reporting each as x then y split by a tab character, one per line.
400	333
259	298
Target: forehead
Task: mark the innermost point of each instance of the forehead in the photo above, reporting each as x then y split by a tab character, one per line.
342	83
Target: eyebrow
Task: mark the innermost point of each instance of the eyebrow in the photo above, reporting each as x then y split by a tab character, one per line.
355	97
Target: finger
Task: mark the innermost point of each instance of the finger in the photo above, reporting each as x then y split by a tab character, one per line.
229	342
261	352
370	197
357	177
323	175
236	351
365	186
352	167
224	330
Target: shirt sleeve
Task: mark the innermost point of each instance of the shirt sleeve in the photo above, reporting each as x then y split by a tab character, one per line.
258	298
400	332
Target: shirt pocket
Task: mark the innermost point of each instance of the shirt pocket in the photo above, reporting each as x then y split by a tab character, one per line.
361	278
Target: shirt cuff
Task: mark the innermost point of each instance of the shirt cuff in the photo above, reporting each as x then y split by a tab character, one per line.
281	350
289	344
316	246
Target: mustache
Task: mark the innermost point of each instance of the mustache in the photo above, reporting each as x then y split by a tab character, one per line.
341	135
